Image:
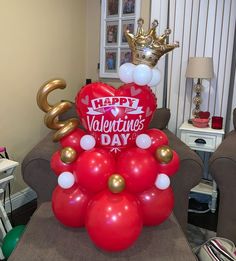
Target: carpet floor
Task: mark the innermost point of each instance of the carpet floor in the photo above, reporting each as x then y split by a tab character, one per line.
197	235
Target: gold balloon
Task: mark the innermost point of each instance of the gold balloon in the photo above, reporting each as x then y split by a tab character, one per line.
164	154
44	91
53	111
147	48
68	155
116	183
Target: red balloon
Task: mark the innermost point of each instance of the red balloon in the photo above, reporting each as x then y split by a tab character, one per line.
156	205
113	221
69	206
139	169
169	168
73	140
115	116
93	168
58	166
158	138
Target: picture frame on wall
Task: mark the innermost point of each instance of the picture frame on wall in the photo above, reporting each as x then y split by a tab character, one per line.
125	56
112	32
117	16
112	8
127	25
128	7
111	60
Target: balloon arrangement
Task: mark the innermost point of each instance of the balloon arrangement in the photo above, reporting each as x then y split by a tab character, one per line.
114	178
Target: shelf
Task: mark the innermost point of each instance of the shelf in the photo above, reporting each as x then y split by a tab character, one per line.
6	164
203	188
189	127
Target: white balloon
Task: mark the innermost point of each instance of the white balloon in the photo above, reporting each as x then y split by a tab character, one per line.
126	72
142	74
143	141
162	181
66	180
87	142
156	78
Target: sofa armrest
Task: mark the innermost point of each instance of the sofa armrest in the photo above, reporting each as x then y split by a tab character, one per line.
188	176
226	149
36	168
234	118
222	166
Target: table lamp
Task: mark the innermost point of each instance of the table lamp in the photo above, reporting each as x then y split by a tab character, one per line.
200	68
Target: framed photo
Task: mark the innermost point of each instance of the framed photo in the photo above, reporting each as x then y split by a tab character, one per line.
111	32
117	16
127	25
112	7
128	7
125	56
111	61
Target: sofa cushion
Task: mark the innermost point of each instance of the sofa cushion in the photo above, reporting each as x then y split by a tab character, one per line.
160	119
46	239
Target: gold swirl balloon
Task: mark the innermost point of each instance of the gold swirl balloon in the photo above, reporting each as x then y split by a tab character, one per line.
68	155
53	111
116	183
164	154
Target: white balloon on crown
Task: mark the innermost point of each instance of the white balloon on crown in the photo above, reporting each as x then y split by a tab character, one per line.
142	74
126	72
156	77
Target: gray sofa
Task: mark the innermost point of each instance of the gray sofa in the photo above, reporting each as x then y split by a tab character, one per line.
46	239
222	166
39	176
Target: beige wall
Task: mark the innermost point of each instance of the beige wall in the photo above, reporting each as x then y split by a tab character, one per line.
93	38
40	40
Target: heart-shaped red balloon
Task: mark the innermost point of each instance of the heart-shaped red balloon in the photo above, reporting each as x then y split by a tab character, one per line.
115	116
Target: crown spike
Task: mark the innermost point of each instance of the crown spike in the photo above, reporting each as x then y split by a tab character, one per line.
140	22
152	30
147	48
140	26
162	38
155	23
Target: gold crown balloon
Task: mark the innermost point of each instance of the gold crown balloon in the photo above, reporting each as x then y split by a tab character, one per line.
147	48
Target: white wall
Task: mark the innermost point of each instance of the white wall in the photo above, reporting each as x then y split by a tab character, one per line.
203	28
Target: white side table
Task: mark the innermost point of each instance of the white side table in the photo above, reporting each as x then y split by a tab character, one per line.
6	175
203	139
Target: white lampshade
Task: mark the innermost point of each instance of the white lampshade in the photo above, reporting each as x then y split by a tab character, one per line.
200	67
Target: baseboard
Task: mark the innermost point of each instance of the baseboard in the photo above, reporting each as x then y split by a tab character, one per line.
19	199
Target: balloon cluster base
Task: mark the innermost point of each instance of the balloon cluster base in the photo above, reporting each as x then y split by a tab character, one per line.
114	177
115	195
